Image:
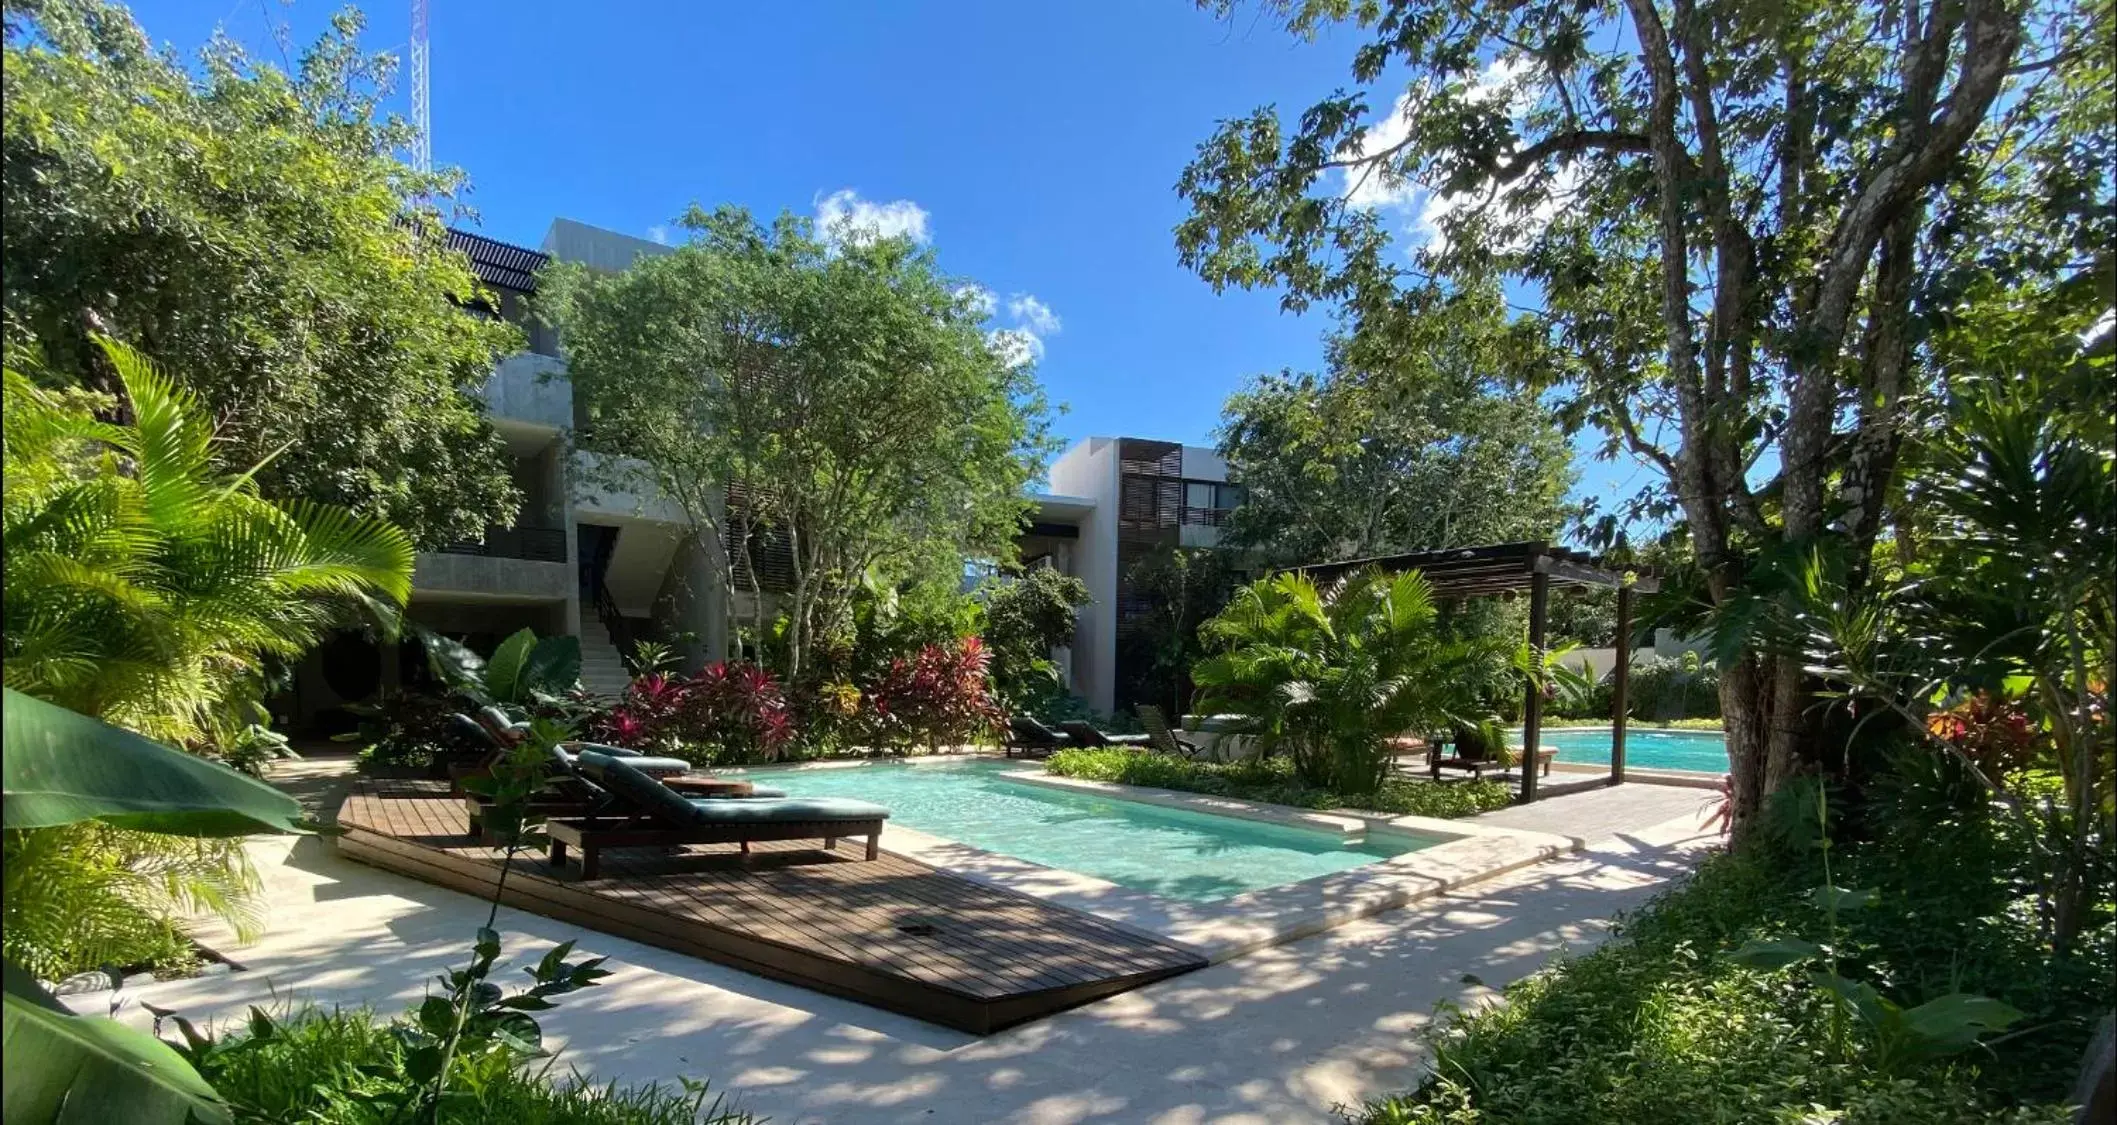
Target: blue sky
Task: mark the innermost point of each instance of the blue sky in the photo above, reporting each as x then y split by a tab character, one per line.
1036	146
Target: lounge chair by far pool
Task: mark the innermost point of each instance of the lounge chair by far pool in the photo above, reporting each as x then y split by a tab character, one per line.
1161	737
1032	739
1084	734
648	814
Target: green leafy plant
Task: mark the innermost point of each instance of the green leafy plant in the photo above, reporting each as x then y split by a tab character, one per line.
1326	675
144	586
63	769
340	1068
1942	1026
258	226
1025	618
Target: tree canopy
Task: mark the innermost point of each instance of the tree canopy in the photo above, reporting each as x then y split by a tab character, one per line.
1744	226
1427	441
833	393
253	231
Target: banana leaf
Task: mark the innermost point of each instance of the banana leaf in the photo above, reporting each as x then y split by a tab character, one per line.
66	1069
60	767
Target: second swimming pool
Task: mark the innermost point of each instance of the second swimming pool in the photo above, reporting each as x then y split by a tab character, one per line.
1172	852
1702	750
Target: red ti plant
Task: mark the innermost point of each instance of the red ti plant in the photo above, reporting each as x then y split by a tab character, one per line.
941	696
646	715
739	708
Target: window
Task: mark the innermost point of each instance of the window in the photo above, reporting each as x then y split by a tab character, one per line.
1207	502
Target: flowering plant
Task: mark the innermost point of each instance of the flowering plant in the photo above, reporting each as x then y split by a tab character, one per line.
939	696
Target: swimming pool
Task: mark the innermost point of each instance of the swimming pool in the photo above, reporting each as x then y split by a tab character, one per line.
1187	855
1704	750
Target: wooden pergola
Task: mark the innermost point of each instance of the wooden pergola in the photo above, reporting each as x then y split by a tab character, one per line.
1506	568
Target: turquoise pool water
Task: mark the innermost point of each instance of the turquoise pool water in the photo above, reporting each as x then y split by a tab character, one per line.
1187	855
1703	750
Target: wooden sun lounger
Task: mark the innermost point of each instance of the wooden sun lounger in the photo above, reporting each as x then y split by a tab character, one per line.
646	813
590	835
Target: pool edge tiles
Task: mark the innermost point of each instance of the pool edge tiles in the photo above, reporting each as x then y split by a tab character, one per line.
1228	927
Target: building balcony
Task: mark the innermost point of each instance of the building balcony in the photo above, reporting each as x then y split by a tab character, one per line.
537	544
530	388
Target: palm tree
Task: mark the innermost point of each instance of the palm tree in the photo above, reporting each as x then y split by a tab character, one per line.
1328	674
146	588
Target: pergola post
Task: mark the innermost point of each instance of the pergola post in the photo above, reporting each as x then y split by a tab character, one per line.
1620	676
1533	700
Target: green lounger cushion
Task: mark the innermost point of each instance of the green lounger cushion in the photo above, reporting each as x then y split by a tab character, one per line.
778	810
619	776
634	758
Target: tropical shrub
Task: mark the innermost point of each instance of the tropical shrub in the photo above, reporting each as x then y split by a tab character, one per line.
1326	675
939	698
738	710
1272	781
86	897
147	588
410	731
65	771
1025	618
349	1068
1673	687
1669	1022
729	713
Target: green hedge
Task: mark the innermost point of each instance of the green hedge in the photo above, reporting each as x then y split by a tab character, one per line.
1272	781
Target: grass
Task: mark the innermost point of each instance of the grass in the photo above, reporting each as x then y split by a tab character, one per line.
1272	781
340	1068
1660	1025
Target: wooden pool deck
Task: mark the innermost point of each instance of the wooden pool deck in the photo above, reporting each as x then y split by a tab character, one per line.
888	932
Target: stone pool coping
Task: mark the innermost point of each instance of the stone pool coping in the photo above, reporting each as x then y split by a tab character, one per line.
1230	927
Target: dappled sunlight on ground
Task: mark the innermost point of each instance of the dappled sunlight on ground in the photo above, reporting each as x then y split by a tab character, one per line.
1280	1035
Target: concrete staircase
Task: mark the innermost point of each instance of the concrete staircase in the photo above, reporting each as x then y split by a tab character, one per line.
602	666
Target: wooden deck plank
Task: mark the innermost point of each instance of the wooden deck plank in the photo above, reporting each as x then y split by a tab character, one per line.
986	958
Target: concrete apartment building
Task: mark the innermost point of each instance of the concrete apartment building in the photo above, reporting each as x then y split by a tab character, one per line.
611	567
1113	501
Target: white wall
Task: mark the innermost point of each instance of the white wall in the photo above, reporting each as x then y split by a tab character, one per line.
1089	470
1599	661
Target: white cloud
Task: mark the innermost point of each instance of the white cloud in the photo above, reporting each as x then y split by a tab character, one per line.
1372	187
1014	346
843	215
1032	314
659	235
981	299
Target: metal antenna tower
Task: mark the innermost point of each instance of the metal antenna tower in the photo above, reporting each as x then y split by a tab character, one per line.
422	111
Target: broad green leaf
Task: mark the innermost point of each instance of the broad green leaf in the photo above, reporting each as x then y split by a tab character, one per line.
1758	953
60	767
1839	898
503	673
452	661
1861	997
1954	1022
553	665
78	1070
